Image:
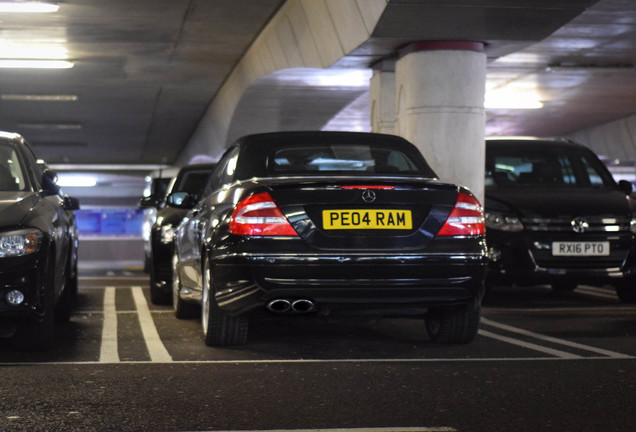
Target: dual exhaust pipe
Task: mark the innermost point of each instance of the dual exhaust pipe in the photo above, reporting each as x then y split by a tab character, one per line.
291	306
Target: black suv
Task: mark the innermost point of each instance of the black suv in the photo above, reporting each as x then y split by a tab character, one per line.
555	215
190	181
38	247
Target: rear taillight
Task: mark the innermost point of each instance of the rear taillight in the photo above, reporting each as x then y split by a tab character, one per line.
466	218
258	215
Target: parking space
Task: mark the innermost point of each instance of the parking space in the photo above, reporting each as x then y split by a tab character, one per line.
125	364
115	322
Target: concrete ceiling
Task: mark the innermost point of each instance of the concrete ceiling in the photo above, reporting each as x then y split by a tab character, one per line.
146	70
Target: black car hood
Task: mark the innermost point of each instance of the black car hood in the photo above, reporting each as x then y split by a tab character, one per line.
15	206
559	202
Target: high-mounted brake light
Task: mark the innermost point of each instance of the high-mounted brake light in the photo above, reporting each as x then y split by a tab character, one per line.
367	187
258	215
466	218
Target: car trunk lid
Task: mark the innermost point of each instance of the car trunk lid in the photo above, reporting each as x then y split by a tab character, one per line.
364	214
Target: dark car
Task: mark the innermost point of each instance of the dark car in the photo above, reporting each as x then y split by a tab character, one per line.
331	223
154	197
191	180
555	215
38	247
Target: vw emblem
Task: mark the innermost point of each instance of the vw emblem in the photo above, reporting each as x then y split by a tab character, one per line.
579	225
368	196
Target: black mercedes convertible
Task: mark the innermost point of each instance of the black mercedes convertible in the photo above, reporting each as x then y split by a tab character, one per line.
329	223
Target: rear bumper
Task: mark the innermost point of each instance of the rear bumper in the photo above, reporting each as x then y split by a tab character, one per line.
395	285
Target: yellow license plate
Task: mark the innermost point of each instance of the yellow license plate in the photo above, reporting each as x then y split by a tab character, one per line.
366	219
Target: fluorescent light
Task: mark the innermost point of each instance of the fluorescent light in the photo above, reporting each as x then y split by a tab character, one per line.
344	78
39	98
74	180
322	77
12	50
108	167
28	7
57	126
512	100
35	64
573	67
64	144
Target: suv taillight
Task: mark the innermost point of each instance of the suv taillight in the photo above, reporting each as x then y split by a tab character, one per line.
258	215
466	218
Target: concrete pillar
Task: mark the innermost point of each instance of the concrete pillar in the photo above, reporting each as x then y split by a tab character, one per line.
440	88
382	99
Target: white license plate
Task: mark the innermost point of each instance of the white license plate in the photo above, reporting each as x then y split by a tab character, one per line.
580	248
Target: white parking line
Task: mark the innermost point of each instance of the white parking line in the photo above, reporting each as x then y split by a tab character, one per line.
371	429
109	352
561	310
156	349
551	339
597	292
529	345
237	362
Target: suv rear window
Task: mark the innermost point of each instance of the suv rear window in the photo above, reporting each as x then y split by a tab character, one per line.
341	159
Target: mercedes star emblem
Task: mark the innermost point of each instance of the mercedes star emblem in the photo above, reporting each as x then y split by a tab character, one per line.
368	196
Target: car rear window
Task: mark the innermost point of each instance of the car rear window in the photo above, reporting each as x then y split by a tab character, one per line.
191	182
541	168
341	159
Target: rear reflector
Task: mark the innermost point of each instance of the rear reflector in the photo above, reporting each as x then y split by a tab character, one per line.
258	215
466	218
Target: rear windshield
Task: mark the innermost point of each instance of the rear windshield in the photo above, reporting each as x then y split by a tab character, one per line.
519	168
191	182
341	159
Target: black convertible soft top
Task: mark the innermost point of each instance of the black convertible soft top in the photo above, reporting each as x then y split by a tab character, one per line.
328	153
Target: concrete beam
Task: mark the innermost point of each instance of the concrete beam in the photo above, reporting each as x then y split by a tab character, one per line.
303	34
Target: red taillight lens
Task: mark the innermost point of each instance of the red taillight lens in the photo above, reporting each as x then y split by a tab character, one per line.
258	215
466	218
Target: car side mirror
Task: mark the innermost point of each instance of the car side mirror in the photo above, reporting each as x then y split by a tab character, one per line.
625	186
49	183
151	201
182	200
70	203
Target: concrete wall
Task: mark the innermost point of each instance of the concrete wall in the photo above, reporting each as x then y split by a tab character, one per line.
111	253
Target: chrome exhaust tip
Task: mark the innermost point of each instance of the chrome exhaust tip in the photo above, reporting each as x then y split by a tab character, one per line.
303	306
279	305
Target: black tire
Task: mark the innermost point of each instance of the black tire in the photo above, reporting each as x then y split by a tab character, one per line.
182	309
626	292
158	294
66	302
146	263
564	286
453	325
219	328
